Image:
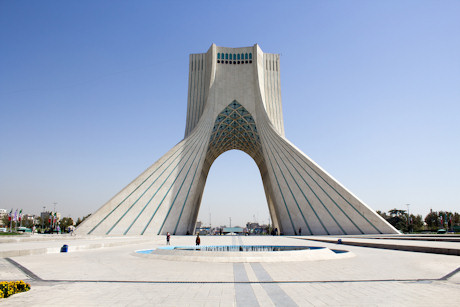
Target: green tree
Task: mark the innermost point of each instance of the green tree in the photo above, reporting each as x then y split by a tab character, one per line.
382	214
43	222
432	221
79	221
27	223
65	222
5	220
398	218
416	223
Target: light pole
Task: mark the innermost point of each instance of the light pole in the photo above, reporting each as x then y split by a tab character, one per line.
43	219
408	218
55	203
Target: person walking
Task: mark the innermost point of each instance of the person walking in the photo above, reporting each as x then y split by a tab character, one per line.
300	231
197	241
168	238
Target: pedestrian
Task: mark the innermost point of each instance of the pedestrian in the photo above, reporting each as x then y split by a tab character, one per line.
168	238
300	231
197	241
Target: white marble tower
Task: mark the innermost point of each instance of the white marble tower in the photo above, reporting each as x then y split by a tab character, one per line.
234	102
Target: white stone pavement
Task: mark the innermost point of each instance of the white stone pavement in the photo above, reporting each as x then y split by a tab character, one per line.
445	244
89	275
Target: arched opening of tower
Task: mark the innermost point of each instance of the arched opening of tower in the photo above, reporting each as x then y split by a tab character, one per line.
234	194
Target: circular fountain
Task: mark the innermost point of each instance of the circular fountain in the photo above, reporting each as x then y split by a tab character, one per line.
244	253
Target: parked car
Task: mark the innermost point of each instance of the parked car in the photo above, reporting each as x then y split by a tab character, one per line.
3	229
24	229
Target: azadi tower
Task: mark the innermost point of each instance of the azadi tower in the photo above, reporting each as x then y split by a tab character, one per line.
234	102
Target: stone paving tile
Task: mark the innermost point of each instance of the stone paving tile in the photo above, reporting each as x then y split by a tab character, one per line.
370	263
9	272
262	296
386	293
443	244
81	294
118	264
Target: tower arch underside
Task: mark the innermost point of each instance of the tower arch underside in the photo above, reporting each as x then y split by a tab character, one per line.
235	129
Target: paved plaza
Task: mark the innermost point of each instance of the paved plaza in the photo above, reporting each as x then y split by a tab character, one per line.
102	271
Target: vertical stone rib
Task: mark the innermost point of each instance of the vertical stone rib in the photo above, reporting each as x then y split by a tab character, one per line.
189	98
195	80
278	98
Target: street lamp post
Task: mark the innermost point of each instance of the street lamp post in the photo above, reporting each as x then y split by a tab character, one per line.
408	218
43	219
54	226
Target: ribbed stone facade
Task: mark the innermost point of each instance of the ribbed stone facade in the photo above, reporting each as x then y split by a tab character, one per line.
234	102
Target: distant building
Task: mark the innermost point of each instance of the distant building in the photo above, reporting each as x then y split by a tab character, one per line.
201	229
237	230
30	217
3	212
46	215
256	228
252	225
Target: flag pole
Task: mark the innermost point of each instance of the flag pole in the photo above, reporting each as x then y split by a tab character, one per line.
11	220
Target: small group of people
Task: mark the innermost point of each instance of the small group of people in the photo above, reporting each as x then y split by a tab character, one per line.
274	232
168	239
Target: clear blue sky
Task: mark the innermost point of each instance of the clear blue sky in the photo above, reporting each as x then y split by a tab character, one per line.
94	92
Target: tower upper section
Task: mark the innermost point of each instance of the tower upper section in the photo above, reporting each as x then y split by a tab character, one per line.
222	75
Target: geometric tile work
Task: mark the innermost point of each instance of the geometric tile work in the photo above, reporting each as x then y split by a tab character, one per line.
235	128
234	106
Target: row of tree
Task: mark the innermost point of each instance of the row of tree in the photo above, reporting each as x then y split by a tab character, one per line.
43	224
432	222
